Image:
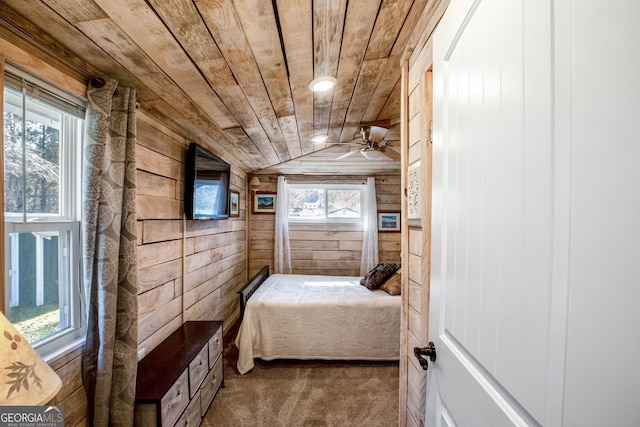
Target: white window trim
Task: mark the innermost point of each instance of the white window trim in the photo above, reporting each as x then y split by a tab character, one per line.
76	328
68	220
329	186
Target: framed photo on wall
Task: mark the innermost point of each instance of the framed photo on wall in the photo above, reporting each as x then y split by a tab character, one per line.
234	204
264	203
388	221
414	202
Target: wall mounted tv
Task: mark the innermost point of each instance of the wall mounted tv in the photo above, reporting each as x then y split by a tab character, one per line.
206	187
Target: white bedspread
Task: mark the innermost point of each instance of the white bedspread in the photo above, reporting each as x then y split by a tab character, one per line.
318	317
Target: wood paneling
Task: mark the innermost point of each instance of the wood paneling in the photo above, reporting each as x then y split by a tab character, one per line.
357	28
220	73
72	394
416	105
320	248
224	24
183	266
213	253
234	74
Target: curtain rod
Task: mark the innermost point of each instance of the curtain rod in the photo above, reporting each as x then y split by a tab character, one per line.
98	82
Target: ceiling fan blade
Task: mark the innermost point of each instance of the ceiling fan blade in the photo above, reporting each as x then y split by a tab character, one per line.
392	154
373	154
349	154
387	143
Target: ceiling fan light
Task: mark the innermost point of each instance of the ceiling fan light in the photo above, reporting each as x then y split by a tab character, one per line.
322	84
319	139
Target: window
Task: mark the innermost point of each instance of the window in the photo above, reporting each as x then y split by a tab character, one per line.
320	202
43	131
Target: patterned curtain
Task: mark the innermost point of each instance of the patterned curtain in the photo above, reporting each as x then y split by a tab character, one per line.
282	251
109	253
370	233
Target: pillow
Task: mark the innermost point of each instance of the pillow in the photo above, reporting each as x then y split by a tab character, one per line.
393	284
378	275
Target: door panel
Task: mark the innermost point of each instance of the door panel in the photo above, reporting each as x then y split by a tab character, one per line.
600	118
492	217
535	234
446	420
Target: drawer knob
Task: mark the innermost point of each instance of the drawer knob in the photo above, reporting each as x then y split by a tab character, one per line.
176	399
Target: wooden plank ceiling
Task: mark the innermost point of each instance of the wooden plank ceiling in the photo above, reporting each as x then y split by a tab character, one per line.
234	74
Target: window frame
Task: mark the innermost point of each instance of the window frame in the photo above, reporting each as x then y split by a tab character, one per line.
327	187
67	222
75	330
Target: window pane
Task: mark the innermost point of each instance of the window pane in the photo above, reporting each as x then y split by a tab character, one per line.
43	159
343	203
12	151
36	269
306	203
42	150
42	135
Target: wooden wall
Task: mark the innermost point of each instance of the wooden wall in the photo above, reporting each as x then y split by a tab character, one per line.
191	270
417	249
325	249
417	107
187	270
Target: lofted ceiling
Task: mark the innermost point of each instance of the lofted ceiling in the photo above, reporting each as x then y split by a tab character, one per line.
234	74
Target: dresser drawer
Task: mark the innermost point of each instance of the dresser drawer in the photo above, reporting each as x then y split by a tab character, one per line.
198	369
192	415
215	347
175	400
171	378
211	384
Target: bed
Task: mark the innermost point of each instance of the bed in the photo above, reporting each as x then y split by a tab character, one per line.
291	316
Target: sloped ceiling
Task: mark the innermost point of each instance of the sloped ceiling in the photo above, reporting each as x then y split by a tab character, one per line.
234	74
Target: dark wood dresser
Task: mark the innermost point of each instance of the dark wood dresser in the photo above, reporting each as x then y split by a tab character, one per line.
178	379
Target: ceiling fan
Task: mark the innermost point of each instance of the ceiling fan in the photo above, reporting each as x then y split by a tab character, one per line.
373	146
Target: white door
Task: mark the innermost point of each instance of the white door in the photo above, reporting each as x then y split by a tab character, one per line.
535	277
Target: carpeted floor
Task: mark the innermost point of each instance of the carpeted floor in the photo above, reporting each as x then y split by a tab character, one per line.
305	393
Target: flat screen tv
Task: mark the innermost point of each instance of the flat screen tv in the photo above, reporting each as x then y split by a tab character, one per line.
206	187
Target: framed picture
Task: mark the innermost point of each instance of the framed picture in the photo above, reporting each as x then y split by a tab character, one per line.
264	203
414	178
234	204
389	221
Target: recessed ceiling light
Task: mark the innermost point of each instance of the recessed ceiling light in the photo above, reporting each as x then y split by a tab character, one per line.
322	83
319	139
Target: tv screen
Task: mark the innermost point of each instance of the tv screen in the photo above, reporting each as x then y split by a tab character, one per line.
206	187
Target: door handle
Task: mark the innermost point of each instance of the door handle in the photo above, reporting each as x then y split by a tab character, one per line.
429	351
